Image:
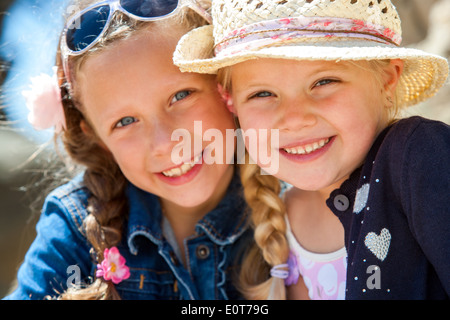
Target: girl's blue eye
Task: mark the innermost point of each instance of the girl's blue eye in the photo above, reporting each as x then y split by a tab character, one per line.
181	95
324	82
262	94
125	122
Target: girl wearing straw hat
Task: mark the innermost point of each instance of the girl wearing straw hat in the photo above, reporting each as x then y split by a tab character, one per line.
367	217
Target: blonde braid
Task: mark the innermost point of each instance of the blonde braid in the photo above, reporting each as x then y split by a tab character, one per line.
271	249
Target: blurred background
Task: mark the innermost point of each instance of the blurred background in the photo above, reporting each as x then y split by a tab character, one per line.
29	31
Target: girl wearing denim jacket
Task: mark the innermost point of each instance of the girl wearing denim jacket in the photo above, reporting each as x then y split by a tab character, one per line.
136	224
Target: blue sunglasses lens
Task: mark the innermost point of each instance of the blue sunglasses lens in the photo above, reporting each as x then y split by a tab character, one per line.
149	8
89	26
87	29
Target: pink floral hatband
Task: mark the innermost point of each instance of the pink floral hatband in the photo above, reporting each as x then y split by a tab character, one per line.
269	33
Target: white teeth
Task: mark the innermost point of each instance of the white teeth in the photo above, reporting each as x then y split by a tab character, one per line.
185	167
308	148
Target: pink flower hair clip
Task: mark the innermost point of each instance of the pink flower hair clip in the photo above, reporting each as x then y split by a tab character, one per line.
113	266
44	103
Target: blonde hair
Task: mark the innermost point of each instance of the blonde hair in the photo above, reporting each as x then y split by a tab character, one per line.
103	178
271	248
268	211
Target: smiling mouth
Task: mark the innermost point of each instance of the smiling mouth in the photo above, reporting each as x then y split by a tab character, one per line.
309	148
183	169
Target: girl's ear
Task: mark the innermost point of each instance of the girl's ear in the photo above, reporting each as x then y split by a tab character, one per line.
393	73
86	128
226	98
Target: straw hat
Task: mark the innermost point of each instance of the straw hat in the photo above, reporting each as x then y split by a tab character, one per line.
310	30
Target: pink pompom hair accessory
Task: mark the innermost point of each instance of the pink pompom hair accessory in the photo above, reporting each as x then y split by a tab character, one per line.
113	266
44	103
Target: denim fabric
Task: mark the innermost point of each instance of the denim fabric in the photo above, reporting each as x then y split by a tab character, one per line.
60	255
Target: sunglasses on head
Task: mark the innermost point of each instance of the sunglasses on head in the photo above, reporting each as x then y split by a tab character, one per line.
84	29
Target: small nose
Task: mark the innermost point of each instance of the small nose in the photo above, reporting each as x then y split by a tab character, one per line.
160	135
296	113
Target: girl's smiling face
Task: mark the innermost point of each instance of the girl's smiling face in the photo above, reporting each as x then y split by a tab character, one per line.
328	114
135	98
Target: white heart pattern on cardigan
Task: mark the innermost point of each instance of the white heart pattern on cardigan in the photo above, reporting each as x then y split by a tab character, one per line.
379	244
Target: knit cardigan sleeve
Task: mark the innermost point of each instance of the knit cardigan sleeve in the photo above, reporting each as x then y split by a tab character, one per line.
425	193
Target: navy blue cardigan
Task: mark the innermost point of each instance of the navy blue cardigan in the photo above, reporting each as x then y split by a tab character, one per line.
396	214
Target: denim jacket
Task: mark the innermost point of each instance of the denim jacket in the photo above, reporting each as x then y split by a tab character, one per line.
60	254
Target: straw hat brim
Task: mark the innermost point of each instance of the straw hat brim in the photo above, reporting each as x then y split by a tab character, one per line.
424	73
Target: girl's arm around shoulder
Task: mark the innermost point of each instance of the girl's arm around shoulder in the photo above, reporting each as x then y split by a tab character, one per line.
59	256
425	192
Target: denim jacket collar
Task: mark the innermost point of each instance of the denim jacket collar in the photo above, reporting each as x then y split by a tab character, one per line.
223	225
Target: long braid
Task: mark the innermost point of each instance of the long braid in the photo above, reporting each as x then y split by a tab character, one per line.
268	218
271	248
107	203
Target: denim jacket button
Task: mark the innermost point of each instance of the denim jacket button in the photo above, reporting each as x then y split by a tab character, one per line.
202	252
173	258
